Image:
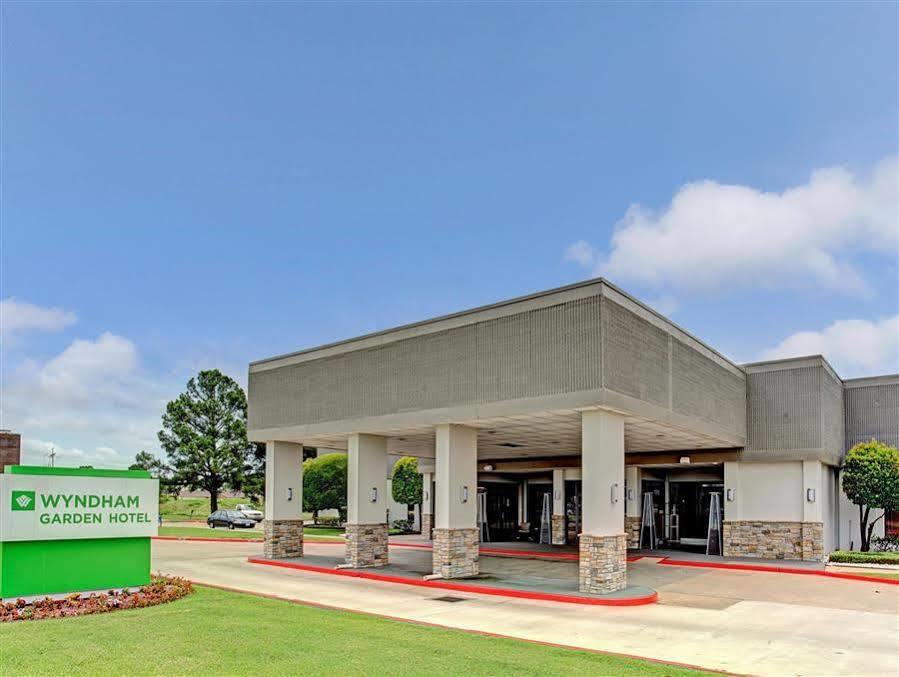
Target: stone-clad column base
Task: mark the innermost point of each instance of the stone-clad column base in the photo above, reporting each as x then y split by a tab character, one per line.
427	525
774	540
456	552
603	563
559	537
632	530
366	545
283	538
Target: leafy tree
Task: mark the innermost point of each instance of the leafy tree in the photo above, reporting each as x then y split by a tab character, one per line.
253	481
325	483
871	480
406	483
144	460
204	432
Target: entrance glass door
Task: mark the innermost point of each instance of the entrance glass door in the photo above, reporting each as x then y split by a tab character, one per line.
691	502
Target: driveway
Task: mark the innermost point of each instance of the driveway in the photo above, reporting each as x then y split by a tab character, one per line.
738	621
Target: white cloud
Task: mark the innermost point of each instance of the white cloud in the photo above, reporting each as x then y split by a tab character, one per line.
854	347
37	452
93	400
18	317
714	236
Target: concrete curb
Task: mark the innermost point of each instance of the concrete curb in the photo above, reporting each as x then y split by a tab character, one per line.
778	570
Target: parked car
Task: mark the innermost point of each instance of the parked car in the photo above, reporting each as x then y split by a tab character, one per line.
233	519
251	512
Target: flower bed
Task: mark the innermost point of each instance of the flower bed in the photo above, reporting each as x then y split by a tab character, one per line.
161	589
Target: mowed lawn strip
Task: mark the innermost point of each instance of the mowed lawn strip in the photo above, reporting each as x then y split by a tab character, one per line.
256	533
220	632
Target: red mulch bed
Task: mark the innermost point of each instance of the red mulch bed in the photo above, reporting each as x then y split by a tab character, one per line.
161	589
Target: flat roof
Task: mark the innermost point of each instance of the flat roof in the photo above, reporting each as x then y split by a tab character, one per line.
463	317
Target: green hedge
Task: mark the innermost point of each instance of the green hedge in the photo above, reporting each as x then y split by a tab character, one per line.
854	557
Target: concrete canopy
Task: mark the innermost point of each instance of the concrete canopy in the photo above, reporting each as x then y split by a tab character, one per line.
520	371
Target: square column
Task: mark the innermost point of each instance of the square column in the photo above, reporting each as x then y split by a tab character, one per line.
558	514
427	505
366	527
456	492
603	546
633	505
283	524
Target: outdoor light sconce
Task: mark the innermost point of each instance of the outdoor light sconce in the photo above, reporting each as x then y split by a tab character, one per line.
614	493
374	494
810	495
463	495
730	493
289	493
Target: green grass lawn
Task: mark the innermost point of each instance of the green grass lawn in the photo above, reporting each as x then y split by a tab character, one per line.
188	509
255	533
218	632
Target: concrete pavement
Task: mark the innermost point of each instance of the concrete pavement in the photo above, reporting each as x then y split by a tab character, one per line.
744	622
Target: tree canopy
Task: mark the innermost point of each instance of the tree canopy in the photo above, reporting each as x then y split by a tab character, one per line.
325	483
871	480
406	484
144	460
204	432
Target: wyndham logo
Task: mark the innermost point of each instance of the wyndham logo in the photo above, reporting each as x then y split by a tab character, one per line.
23	500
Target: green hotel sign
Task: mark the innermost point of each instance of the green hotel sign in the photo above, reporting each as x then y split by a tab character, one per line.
68	529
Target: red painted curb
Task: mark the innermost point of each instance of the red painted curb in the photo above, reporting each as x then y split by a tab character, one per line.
461	587
777	570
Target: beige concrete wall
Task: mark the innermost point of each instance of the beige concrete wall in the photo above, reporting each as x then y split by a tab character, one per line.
764	491
582	346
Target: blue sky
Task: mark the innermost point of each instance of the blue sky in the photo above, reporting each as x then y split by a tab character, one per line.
198	185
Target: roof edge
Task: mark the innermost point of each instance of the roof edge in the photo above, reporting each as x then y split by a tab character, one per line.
598	282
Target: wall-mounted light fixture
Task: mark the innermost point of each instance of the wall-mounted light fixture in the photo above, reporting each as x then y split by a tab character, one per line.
613	494
810	495
374	494
730	493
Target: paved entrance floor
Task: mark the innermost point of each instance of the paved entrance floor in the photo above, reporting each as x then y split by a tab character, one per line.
740	621
531	575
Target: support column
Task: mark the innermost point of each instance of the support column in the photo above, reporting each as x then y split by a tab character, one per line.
633	506
283	525
427	505
603	546
812	535
455	531
366	528
558	514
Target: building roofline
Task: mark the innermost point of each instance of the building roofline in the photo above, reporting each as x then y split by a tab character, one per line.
792	363
863	381
599	283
